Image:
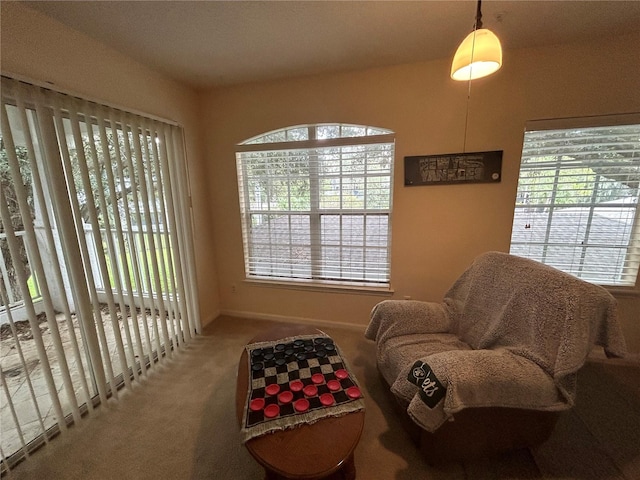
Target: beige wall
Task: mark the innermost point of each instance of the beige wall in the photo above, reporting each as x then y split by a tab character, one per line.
437	231
42	49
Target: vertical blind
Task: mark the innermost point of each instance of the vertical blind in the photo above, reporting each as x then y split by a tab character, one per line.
97	265
316	203
577	200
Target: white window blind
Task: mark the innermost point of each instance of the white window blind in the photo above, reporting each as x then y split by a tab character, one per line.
577	200
316	203
97	274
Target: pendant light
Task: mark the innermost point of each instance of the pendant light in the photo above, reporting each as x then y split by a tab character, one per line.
479	55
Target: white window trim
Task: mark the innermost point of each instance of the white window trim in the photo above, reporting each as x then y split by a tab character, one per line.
315	143
293	283
320	286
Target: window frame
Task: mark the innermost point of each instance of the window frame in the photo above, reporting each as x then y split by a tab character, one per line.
578	123
316	211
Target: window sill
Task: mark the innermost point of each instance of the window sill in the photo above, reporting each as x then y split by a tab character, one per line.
322	286
624	291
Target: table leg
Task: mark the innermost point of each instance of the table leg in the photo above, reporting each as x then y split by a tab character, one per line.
349	469
347	472
269	475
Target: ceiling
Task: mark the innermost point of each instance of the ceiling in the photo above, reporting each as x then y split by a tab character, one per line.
216	43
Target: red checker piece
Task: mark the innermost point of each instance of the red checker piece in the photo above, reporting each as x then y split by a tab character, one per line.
272	389
334	385
310	390
317	378
327	399
257	404
301	405
272	410
342	374
296	386
285	397
353	392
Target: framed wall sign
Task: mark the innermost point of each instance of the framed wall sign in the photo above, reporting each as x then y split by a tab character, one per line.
452	168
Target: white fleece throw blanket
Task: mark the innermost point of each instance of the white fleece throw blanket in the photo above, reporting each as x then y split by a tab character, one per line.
511	332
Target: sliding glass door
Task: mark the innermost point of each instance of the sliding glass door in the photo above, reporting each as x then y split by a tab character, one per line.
96	257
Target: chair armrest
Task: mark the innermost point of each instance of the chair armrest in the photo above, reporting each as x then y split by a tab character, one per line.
393	318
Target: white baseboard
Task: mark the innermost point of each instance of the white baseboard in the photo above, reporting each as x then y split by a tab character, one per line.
285	319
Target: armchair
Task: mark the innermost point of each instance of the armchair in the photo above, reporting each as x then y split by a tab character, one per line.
490	368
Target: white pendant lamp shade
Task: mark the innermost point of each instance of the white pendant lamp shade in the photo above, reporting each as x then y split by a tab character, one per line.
479	55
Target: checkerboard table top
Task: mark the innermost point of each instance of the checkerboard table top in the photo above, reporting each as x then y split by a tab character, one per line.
296	380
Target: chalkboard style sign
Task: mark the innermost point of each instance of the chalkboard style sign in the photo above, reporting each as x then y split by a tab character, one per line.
452	168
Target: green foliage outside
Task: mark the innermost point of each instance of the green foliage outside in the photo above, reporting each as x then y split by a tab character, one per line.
596	164
8	185
575	186
281	180
163	256
90	177
33	287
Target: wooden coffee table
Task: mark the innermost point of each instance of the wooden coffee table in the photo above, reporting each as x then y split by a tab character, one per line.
322	450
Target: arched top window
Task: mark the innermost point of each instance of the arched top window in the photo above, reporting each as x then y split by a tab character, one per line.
316	204
321	131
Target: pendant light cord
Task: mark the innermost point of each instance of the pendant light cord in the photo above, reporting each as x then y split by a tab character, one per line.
478	17
466	120
476	26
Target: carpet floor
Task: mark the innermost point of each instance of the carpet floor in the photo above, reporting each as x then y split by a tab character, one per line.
179	423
